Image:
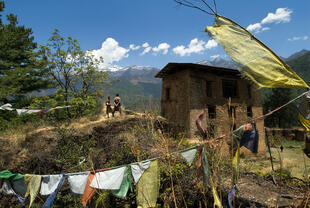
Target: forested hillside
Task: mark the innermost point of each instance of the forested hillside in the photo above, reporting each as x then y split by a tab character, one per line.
273	98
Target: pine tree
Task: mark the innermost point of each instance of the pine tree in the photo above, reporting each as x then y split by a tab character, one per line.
21	68
285	117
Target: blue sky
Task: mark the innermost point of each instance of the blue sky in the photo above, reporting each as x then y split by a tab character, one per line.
155	32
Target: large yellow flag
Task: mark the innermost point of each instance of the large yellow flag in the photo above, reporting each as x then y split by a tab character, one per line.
256	60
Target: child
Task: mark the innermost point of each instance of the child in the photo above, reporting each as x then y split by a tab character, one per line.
108	105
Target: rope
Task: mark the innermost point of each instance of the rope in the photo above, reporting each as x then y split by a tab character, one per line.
255	119
282	106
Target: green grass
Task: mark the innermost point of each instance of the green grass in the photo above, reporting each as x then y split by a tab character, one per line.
293	160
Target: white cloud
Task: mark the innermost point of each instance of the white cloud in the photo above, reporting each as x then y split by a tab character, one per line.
162	47
133	47
145	45
211	44
146	50
195	46
215	56
282	15
298	38
254	27
257	28
110	51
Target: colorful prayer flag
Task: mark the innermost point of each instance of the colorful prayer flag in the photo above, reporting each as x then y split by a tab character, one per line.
33	186
189	154
148	186
125	186
109	179
304	113
138	169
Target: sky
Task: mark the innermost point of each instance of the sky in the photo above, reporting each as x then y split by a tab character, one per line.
156	32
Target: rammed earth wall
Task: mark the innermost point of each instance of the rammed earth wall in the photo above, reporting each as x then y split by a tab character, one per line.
185	94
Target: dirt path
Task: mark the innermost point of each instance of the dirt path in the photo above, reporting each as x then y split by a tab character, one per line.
259	191
82	123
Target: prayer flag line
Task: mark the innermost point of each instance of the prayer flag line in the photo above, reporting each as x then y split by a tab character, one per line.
9	107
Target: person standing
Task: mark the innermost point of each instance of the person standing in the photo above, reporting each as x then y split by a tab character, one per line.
108	107
117	105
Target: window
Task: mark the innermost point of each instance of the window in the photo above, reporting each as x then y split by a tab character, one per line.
232	111
229	88
211	112
211	130
209	88
167	93
249	91
249	111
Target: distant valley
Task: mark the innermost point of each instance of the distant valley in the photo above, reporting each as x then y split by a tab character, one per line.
140	90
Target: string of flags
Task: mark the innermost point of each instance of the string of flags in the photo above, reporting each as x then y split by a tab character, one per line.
119	180
145	174
8	107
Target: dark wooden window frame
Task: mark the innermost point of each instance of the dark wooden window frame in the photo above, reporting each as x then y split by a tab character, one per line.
211	111
209	85
230	88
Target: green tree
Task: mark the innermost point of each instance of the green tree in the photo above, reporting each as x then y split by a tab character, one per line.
285	117
22	69
75	72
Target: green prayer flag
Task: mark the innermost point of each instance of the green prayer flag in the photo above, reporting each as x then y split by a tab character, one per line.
205	168
126	184
6	174
148	186
238	132
256	60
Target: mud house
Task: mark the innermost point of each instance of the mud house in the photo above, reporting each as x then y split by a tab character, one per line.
188	89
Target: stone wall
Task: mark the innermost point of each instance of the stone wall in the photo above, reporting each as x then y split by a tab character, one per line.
297	134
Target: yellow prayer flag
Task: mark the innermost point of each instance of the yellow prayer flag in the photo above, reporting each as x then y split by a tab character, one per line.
217	202
304	112
257	61
305	122
148	186
235	164
33	186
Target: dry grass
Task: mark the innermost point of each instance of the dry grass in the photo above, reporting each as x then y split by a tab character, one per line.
83	125
292	160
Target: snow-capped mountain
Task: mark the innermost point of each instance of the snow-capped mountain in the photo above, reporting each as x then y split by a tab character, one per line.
220	63
136	74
